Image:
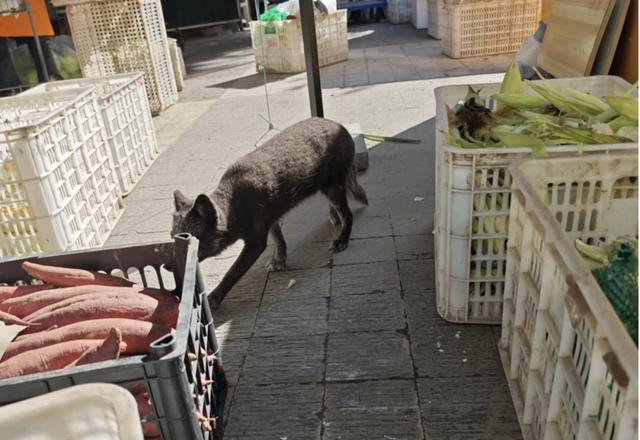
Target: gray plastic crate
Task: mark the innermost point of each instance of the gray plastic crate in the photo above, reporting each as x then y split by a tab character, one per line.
172	378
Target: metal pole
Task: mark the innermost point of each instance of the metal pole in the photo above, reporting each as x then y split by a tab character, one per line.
38	47
311	57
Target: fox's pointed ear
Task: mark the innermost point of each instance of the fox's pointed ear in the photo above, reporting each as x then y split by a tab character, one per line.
203	207
180	200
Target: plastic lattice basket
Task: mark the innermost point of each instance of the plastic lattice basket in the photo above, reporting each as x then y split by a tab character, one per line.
571	364
486	27
399	11
471	261
176	369
125	111
124	36
58	188
283	48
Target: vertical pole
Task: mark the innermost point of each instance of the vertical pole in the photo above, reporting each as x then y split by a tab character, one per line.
35	36
311	57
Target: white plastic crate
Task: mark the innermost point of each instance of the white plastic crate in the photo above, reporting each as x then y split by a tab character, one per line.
471	265
127	119
399	11
93	411
124	36
58	188
283	48
176	62
434	18
572	366
492	27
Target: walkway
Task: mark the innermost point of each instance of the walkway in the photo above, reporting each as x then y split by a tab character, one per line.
355	348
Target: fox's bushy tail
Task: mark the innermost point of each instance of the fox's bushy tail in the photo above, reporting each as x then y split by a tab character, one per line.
354	187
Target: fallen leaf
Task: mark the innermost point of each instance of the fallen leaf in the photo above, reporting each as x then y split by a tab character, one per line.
292	282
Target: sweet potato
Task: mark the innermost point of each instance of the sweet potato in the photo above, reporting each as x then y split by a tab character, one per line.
25	305
10	319
7	292
30	304
145	409
110	349
90	297
69	277
47	358
132	307
136	334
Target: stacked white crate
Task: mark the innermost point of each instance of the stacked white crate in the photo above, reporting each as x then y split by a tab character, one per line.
127	119
572	366
399	11
277	45
124	36
471	262
58	187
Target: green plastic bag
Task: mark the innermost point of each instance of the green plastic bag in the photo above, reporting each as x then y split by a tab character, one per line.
24	65
274	14
619	282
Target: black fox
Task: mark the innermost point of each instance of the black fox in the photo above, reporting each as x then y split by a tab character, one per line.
257	190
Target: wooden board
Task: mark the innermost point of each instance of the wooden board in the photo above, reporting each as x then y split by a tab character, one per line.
573	37
610	39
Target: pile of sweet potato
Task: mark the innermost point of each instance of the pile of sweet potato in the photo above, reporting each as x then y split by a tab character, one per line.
77	317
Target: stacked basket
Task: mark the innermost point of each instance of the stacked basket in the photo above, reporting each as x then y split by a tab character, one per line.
473	187
124	36
278	47
475	27
58	187
125	114
572	366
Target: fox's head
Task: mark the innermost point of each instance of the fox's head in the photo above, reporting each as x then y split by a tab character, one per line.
199	218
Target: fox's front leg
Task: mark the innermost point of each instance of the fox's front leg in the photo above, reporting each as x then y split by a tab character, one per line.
249	254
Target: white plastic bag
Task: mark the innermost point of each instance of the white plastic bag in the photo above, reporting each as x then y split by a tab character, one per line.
331	5
528	53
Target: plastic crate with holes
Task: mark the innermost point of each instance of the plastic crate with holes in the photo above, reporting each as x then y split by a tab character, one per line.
278	47
182	379
127	119
569	360
124	36
58	187
399	11
473	193
477	28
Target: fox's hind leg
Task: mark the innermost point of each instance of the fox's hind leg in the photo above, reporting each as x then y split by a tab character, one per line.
279	259
337	195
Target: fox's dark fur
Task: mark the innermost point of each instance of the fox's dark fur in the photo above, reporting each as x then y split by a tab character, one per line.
256	191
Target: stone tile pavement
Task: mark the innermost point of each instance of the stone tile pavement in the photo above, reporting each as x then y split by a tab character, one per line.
355	348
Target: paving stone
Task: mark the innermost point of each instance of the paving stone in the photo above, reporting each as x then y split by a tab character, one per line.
320	230
414	247
275	412
421	308
383	409
366	312
290	358
365	278
233	353
366	250
417	274
370	227
474	408
303	317
309	255
309	283
449	350
372	355
235	321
